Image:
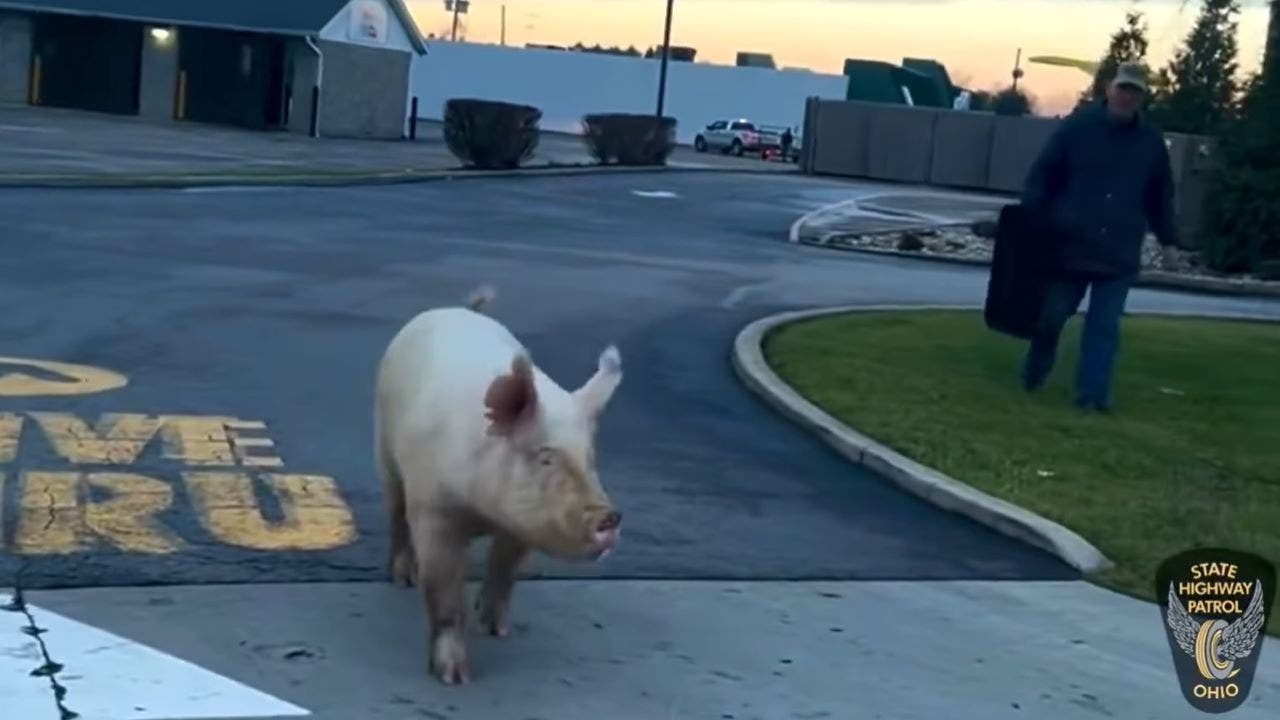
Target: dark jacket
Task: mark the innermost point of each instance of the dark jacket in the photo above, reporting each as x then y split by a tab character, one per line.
1099	186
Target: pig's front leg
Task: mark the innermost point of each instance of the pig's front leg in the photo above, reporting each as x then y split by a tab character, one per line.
505	555
442	565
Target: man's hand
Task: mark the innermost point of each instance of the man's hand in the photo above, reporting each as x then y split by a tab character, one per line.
1169	257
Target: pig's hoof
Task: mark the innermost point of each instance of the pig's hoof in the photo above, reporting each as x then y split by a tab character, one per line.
459	674
404	570
498	628
496	622
493	618
449	661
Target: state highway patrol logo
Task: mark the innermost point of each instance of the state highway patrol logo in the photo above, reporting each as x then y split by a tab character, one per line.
1215	604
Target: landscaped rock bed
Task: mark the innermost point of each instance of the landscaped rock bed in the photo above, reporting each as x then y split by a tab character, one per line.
962	242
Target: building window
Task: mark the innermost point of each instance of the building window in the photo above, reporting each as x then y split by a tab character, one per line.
246	59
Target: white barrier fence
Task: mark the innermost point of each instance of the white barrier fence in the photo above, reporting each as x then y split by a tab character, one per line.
567	85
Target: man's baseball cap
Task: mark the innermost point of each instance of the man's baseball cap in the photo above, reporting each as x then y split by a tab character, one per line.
1131	73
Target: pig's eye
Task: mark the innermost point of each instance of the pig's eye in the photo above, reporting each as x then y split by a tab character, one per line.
546	456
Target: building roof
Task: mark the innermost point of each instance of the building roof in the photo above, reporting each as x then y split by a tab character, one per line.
879	81
281	17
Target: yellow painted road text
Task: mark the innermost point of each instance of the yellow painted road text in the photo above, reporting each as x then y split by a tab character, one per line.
228	476
59	378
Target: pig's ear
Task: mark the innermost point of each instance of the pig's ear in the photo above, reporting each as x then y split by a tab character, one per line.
595	394
512	399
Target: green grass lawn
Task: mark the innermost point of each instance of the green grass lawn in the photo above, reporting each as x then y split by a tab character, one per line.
1190	457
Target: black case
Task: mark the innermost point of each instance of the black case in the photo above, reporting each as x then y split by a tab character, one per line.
1020	262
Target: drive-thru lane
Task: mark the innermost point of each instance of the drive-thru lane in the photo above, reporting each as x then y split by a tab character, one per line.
248	325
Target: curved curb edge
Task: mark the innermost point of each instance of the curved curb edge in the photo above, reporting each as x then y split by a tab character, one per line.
322	179
933	486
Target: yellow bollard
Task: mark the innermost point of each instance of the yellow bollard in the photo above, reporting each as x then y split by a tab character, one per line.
181	112
34	90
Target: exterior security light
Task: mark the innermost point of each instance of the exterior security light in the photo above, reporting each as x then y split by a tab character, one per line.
160	35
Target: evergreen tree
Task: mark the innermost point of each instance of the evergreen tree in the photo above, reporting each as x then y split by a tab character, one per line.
980	100
1271	61
1011	101
1240	228
1241	224
1128	44
1198	90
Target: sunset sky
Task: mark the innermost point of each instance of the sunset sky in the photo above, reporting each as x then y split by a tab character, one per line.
977	40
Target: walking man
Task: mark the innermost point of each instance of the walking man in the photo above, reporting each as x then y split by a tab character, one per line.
1102	180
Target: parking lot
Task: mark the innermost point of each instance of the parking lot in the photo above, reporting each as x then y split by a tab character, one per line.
56	141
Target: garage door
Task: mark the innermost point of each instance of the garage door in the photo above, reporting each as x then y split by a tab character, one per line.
86	63
233	78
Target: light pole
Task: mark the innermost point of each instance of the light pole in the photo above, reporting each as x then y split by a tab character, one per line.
666	51
457	6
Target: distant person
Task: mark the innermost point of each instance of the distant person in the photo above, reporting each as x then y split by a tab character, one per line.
1102	179
786	144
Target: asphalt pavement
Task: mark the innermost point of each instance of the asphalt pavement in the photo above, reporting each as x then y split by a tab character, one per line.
248	323
272	308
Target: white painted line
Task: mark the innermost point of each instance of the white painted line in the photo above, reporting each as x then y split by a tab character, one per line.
794	234
638	259
655	193
30	128
108	677
231	189
738	294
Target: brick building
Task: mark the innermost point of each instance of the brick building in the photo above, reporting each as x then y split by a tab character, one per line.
252	63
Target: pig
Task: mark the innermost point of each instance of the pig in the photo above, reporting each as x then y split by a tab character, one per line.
471	439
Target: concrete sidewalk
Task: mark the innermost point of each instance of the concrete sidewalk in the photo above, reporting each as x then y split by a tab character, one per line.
46	140
614	649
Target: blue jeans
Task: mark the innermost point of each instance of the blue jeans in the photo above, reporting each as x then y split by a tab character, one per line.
1099	344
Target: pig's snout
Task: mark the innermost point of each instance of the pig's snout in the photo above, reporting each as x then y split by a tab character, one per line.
607	532
610	521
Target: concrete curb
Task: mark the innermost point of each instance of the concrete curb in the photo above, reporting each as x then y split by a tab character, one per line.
751	368
335	178
948	259
950	494
1148	278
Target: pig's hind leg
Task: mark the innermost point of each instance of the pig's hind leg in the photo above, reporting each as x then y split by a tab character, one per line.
441	548
494	600
401	563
